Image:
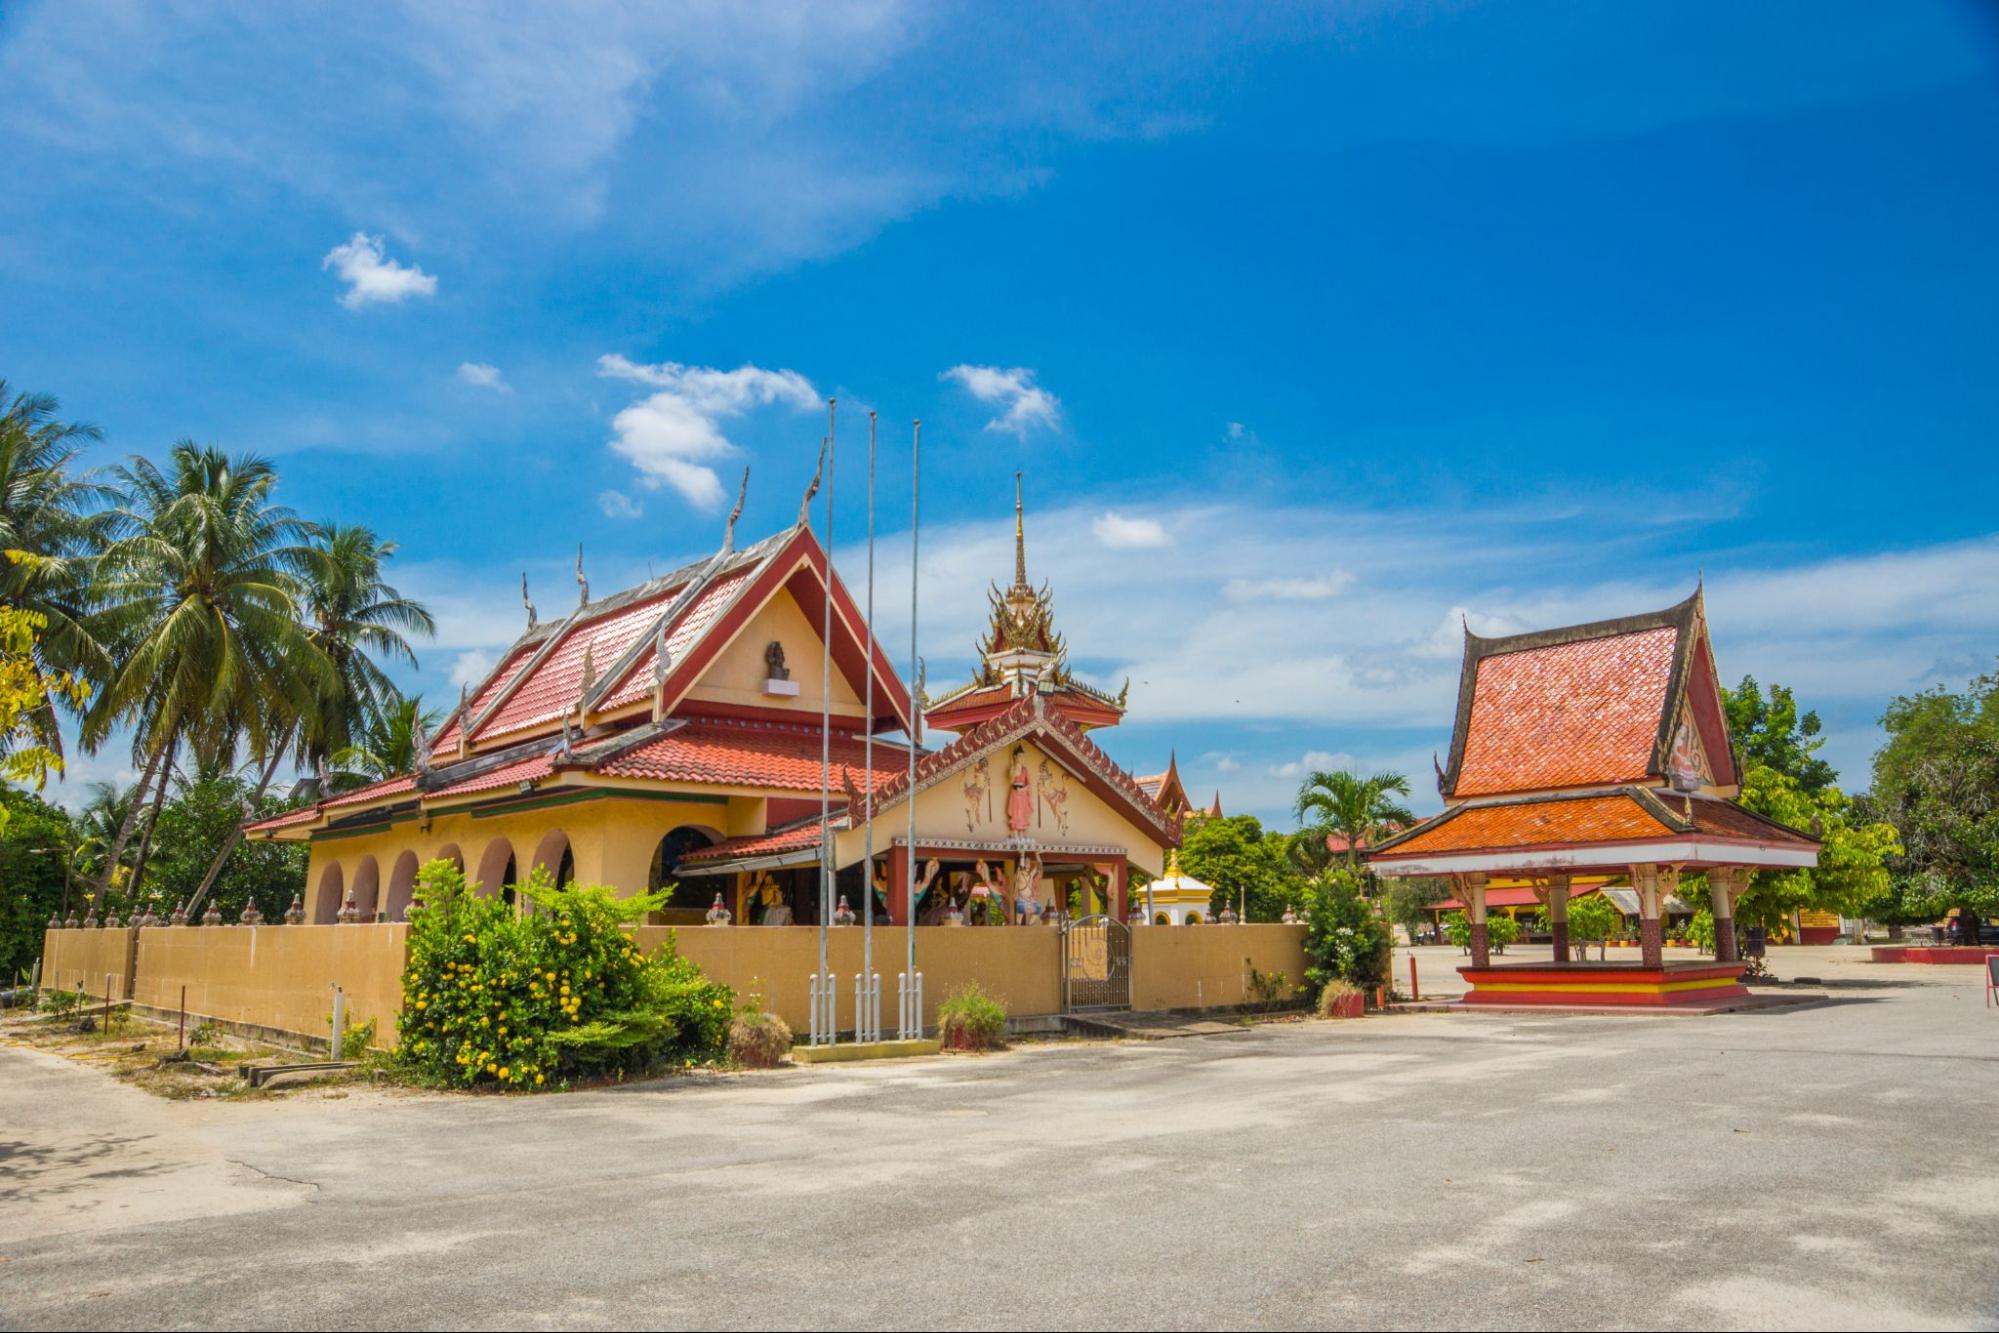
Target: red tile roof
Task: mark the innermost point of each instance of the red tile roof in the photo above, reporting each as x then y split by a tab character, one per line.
692	624
556	685
756	754
1567	715
531	769
796	838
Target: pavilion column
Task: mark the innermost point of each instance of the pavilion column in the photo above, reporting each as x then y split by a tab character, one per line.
898	885
1651	931
1558	915
1473	895
1725	885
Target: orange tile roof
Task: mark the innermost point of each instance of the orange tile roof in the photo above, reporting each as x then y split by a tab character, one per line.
1583	819
756	754
1577	714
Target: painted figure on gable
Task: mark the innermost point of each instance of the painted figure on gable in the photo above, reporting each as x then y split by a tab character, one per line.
774	661
978	786
1020	793
1055	795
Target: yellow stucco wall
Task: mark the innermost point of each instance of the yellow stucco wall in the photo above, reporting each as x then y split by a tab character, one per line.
737	674
971	805
1020	965
276	976
611	837
86	955
1200	967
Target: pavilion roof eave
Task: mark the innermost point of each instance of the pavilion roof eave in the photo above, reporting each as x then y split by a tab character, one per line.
1692	851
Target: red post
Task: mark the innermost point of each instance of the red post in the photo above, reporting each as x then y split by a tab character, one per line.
1415	991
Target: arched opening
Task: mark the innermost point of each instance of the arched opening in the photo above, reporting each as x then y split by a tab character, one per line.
402	887
690	892
498	871
555	855
1193	919
449	852
326	903
1162	920
367	889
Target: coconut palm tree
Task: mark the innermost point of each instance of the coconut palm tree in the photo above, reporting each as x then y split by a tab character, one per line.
1359	809
202	588
387	744
355	719
355	618
55	520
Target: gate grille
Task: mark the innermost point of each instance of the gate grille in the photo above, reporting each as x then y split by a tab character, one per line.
1096	964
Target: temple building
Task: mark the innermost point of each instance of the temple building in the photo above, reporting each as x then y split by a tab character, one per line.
1585	754
671	734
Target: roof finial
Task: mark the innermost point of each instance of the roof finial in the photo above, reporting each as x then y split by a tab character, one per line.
805	505
526	600
729	532
1019	537
582	584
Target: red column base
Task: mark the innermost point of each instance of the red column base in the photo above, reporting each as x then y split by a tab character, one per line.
1652	941
1481	945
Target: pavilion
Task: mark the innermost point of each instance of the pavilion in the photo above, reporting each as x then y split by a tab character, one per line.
1591	751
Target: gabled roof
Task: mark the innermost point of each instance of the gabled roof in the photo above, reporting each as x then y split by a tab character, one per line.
1165	789
1587	705
602	658
1033	716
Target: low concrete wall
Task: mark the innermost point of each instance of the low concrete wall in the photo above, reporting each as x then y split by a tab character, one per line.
1022	966
1204	967
276	977
87	955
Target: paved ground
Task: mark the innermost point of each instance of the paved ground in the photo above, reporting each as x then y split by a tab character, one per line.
1831	1167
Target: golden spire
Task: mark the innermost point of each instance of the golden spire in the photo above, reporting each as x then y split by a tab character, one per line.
1019	538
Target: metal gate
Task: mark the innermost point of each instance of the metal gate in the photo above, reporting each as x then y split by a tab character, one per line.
1096	964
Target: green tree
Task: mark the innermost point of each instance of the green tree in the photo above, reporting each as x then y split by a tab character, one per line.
203	588
1407	902
358	621
35	839
386	746
54	521
1360	810
206	812
1852	871
1937	780
1345	938
1594	918
1771	732
1235	857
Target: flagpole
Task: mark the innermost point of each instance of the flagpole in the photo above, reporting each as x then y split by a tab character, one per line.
825	980
912	986
867	1017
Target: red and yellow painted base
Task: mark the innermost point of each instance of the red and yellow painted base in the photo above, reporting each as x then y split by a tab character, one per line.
1604	984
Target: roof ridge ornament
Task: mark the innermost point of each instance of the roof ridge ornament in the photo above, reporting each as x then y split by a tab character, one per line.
528	602
729	531
818	475
582	584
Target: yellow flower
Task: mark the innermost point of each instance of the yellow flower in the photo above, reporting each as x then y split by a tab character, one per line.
537	1080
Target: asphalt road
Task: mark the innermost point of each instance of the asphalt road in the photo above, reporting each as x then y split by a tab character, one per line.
1829	1167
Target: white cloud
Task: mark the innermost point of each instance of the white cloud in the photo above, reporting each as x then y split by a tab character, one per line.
483	375
371	276
616	504
1025	405
1122	533
1311	589
472	666
675	433
1312	761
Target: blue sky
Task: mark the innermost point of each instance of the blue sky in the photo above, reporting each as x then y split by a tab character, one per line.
1315	329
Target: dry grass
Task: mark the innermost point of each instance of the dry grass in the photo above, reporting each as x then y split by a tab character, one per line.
146	1055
